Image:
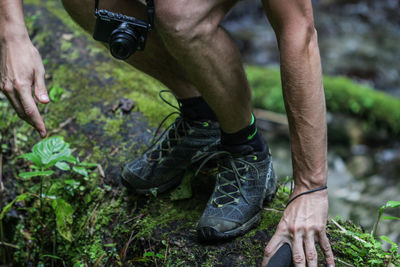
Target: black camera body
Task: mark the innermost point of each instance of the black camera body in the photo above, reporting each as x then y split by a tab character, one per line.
125	35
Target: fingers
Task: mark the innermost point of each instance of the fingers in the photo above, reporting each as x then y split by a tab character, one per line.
298	251
273	245
326	248
40	87
15	103
31	111
311	252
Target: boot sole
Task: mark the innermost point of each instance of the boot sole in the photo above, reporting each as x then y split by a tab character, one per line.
159	189
208	234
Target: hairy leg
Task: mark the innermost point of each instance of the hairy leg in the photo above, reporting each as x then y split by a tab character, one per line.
154	61
187	50
191	33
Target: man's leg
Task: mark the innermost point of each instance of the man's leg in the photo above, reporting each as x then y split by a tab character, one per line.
191	47
191	32
154	61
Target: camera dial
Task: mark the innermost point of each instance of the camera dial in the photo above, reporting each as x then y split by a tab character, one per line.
123	41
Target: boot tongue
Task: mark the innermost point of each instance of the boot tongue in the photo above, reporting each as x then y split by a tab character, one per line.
237	149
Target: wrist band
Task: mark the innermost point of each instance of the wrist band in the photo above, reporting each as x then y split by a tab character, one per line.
305	193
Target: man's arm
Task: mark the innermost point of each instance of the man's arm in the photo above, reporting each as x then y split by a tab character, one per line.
304	220
20	65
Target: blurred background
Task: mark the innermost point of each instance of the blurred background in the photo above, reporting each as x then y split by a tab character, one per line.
358	39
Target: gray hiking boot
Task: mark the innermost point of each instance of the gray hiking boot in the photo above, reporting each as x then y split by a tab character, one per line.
245	179
163	165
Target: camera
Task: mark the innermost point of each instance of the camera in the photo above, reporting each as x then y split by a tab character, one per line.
125	35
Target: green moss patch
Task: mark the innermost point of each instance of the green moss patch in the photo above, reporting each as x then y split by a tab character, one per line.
342	95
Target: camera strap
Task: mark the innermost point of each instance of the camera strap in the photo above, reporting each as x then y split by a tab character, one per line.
150	12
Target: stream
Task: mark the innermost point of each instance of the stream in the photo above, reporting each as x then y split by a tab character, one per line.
358	39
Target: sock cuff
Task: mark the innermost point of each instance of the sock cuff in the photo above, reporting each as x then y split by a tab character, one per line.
196	108
242	136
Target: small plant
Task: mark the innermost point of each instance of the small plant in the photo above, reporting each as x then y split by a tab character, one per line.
47	154
389	204
150	257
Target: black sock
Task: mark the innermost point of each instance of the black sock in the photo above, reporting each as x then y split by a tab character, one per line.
195	108
246	136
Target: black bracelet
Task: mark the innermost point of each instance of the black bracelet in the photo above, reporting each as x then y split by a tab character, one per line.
305	193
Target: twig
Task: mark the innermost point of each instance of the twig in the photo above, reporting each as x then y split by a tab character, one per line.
126	246
15	149
134	218
61	125
9	245
114	152
166	254
344	231
343	262
1	173
101	171
99	260
274	210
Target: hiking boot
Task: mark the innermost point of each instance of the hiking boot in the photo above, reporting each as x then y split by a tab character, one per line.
163	165
245	178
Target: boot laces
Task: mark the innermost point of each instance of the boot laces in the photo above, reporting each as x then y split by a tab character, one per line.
230	177
172	135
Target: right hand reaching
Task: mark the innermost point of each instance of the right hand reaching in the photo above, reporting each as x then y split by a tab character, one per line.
21	68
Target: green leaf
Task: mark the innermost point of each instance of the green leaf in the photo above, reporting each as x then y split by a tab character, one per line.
32	158
89	165
385	218
8	207
149	254
64	212
184	190
27	175
80	170
72	182
52	256
393	204
56	93
387	239
160	256
51	150
63	166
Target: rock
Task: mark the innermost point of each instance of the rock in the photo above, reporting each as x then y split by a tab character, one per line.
360	166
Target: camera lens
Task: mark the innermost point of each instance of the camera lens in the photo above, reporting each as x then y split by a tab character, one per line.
123	42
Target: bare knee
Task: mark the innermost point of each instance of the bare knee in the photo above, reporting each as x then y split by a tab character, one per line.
184	24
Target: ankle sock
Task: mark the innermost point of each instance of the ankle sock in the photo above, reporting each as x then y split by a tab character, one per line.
196	108
246	136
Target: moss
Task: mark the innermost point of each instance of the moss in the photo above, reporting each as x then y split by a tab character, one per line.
342	95
84	117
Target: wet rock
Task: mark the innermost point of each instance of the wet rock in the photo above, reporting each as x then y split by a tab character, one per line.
360	166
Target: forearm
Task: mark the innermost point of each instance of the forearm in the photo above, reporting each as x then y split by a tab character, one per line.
12	22
306	111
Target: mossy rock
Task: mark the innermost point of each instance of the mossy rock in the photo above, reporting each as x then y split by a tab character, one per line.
113	227
343	95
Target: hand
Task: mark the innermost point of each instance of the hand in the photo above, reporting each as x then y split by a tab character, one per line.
303	223
21	68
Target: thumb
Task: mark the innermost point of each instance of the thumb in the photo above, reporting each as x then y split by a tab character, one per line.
40	88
